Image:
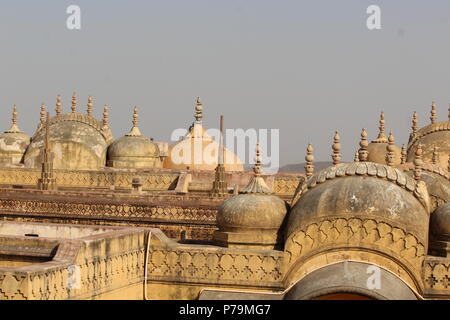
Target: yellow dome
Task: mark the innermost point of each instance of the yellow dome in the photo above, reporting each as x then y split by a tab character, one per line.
198	151
134	150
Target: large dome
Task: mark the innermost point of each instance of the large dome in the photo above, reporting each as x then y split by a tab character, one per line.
77	141
361	207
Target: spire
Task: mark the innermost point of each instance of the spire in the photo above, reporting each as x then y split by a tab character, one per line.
105	116
309	158
390	148
336	149
381	137
356	158
198	111
43	115
257	184
363	153
415	122
435	157
14	128
47	180
433	112
74	102
418	162
90	105
135	132
404	152
220	187
58	106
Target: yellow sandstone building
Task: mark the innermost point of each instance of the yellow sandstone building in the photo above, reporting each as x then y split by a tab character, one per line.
87	216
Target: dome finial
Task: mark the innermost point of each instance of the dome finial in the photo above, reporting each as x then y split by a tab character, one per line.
14	128
105	116
199	111
435	157
363	153
135	132
433	112
418	162
336	149
403	159
381	137
74	102
309	158
58	107
90	105
257	184
356	158
390	148
415	122
43	114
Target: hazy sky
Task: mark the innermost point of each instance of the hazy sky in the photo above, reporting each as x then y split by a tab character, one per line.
306	67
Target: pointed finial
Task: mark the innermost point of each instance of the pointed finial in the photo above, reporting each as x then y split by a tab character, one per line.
90	105
135	130
105	116
336	149
435	157
390	148
415	123
418	162
14	128
404	152
356	158
199	110
74	102
257	166
363	153
309	158
433	112
257	183
381	137
43	114
58	107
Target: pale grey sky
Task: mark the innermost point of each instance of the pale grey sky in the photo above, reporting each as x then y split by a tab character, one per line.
306	67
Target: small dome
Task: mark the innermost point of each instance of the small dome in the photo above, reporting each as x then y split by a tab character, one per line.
378	152
440	222
251	211
134	150
13	144
252	219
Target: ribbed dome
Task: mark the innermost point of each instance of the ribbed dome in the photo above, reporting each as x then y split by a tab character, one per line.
365	190
77	141
433	138
440	222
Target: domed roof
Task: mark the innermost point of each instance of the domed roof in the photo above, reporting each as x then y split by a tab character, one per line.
440	222
13	143
134	150
363	189
199	151
77	141
437	180
433	138
254	217
378	148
